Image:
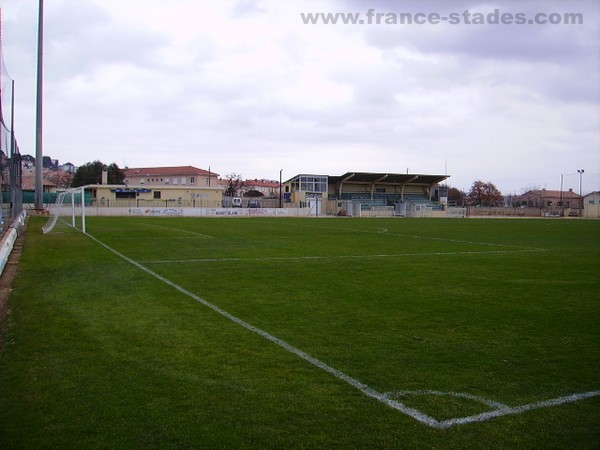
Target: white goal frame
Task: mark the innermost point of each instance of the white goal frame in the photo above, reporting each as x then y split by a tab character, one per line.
379	211
68	204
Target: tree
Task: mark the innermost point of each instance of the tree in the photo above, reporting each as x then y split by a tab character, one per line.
485	194
91	173
234	184
254	193
456	196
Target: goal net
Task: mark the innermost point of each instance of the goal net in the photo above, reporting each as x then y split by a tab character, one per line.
68	213
457	213
420	210
379	211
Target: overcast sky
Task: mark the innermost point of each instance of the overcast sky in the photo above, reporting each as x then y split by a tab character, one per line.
245	86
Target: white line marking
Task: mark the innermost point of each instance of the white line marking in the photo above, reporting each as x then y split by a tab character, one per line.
386	232
485	401
176	229
291	258
517	409
364	388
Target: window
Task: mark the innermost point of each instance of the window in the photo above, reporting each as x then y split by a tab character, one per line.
126	194
156	195
192	180
313	184
183	180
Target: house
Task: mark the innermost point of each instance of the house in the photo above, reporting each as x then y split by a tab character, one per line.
591	205
268	188
171	176
28	184
67	167
546	198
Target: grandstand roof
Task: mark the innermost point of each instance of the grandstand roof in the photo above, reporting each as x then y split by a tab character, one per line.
387	178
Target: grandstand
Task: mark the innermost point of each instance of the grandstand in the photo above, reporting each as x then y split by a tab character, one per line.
368	193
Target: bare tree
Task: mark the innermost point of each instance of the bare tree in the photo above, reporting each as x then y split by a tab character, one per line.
234	184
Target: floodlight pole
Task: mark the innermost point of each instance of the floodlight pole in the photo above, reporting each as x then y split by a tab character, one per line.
580	172
280	198
39	179
562	205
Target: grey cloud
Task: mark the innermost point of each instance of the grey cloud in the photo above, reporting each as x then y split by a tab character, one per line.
81	36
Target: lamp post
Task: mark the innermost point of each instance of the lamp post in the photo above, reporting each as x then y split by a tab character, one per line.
39	179
580	172
562	207
280	198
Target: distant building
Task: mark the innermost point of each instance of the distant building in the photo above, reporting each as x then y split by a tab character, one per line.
268	188
591	205
181	176
27	162
546	198
67	167
28	184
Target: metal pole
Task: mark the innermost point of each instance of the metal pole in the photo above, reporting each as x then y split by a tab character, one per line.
73	194
83	209
580	172
280	198
12	171
39	180
562	207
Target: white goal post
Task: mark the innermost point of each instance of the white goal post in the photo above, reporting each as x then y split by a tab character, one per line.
379	211
69	210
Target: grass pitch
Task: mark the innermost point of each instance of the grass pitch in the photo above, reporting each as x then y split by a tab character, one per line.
305	333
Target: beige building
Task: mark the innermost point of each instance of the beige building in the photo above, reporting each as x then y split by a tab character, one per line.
547	198
106	195
591	205
179	176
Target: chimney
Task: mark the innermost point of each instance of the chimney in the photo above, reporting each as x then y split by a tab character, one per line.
104	176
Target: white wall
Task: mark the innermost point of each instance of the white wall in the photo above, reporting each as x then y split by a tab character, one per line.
197	212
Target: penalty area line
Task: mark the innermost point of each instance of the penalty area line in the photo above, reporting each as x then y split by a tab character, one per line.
300	258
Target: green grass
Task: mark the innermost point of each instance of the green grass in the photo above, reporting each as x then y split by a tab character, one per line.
101	354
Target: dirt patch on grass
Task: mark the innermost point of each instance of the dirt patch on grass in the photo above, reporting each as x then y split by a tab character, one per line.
6	284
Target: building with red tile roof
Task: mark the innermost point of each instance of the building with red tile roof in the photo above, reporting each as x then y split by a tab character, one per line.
171	176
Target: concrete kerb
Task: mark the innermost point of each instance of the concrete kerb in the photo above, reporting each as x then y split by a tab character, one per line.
8	240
